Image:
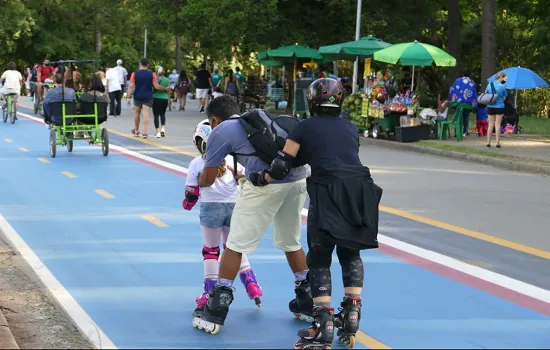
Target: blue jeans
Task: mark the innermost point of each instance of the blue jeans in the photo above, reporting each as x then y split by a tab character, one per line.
466	120
216	215
46	109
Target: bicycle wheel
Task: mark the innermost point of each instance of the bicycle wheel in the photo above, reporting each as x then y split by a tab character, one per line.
36	102
4	113
13	114
53	143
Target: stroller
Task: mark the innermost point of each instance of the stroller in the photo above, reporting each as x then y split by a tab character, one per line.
510	122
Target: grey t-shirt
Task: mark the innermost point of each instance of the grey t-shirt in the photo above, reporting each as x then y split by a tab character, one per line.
230	137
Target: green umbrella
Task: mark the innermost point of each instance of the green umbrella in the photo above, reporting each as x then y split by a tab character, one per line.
270	63
262	56
415	54
292	52
363	47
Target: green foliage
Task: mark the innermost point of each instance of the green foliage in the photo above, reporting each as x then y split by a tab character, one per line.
229	32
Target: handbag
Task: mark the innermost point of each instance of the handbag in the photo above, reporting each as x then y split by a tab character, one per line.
488	99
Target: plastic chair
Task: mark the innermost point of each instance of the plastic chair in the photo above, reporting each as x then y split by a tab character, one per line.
456	122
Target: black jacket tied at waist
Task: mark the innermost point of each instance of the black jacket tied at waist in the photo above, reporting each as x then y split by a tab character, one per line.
345	200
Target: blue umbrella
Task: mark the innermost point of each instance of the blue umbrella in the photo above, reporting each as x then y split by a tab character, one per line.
520	78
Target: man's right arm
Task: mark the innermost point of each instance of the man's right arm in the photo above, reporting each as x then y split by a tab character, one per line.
217	149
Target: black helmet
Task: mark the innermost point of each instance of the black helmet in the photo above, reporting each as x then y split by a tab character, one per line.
324	92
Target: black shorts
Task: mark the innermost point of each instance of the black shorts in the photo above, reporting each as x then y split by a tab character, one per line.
139	103
495	111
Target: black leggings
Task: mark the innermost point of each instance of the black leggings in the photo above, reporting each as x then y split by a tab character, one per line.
319	259
159	110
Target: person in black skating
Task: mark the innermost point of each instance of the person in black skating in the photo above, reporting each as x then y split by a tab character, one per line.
343	211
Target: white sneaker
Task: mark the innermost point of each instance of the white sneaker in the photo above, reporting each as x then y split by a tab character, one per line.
162	132
157	135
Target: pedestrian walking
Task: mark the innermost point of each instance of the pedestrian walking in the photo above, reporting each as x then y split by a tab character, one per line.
115	92
160	103
183	87
204	83
123	75
231	85
142	82
343	210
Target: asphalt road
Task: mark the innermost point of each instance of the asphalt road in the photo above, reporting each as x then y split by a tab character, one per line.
112	233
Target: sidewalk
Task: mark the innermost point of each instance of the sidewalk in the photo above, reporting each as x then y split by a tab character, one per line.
6	338
528	153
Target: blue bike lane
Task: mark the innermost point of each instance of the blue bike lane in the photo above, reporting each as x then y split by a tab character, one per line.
112	231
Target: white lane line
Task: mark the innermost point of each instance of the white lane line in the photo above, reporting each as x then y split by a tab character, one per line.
83	321
475	271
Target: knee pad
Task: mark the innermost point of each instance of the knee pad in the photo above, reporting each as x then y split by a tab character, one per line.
210	253
352	267
317	259
345	254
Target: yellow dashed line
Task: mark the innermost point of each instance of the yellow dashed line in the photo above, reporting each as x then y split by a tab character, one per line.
149	142
154	221
68	174
104	194
369	341
8	140
44	160
466	232
23	149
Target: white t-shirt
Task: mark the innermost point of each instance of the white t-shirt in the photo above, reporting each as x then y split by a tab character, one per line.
224	189
13	80
122	74
113	80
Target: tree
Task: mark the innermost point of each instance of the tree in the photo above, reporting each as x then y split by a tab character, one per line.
16	25
454	39
489	45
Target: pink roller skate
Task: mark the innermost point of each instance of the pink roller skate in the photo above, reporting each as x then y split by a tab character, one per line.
203	298
253	289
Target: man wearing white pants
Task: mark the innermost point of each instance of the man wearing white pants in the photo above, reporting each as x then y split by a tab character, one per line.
204	83
256	209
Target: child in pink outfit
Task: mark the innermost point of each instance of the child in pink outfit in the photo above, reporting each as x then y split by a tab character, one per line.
216	208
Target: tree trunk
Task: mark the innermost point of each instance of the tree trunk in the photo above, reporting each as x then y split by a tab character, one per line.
233	57
178	53
488	41
454	26
98	41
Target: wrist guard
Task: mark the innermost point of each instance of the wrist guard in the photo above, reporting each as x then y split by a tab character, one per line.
191	197
258	179
281	166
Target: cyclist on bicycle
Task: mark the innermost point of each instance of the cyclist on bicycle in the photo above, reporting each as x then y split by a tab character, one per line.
12	80
42	73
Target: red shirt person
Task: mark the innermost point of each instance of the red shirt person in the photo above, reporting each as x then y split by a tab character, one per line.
44	71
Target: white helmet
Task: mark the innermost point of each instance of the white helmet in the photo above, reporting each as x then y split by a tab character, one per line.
119	62
200	135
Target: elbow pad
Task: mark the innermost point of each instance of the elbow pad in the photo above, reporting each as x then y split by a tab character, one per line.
281	166
191	197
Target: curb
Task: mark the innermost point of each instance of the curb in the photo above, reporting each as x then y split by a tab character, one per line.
474	158
6	338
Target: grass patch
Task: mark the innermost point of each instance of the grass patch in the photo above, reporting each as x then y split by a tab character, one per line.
537	126
530	125
480	152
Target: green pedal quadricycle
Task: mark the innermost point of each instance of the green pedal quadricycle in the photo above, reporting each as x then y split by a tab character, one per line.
71	126
84	125
9	109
